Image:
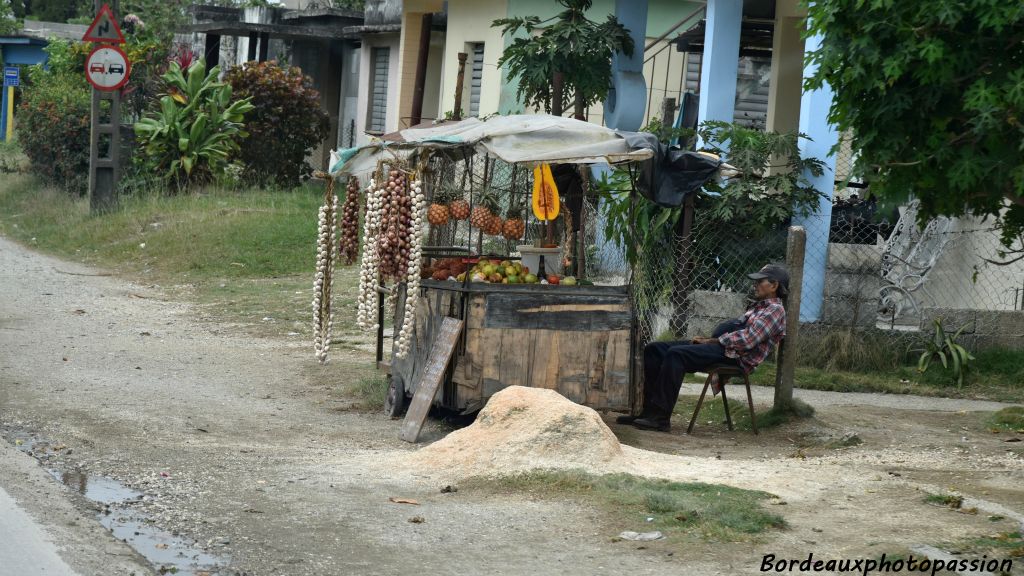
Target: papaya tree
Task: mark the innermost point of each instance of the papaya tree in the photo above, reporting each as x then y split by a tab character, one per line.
570	45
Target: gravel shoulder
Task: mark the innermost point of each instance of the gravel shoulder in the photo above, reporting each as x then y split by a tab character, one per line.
253	450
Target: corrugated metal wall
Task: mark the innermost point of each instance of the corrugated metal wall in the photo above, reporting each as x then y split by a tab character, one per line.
751	88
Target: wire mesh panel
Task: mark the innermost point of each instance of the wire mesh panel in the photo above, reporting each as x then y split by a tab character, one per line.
877	291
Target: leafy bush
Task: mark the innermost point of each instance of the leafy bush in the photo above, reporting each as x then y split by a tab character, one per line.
53	128
196	130
286	124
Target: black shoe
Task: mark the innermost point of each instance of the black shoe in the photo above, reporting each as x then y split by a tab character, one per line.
656	424
627	419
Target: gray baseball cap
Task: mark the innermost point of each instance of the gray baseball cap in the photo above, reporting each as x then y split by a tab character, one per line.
774	273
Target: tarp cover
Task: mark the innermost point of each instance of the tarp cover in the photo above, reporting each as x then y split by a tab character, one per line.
523	138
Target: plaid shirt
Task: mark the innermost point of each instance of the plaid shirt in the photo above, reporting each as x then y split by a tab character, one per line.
764	326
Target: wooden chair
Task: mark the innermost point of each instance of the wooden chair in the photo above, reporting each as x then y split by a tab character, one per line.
724	372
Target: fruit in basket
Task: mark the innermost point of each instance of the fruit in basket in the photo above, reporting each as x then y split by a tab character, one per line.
442	274
514	279
531	279
478	277
461	277
568	281
511	270
437	214
553	279
459	209
495	278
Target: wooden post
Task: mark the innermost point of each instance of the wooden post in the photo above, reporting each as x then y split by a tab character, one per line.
681	287
104	170
459	81
557	91
789	352
421	70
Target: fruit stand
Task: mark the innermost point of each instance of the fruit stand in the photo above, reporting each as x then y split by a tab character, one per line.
465	220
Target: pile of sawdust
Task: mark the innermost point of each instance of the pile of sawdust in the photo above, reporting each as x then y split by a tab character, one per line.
522	428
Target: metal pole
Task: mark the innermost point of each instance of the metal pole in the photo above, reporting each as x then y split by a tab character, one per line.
789	352
459	81
421	70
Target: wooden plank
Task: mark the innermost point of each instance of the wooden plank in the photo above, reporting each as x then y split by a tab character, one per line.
515	355
573	365
490	360
540	357
564	312
616	371
433	374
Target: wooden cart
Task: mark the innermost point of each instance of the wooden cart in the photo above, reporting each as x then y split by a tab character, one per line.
572	339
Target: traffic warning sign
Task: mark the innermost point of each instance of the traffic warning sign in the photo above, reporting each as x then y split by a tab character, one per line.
104	28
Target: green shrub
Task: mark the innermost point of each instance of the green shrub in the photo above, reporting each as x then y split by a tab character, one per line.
286	124
191	138
53	128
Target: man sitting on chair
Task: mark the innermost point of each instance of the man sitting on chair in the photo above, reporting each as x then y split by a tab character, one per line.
744	342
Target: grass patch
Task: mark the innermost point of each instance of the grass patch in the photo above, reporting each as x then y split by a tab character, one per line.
711	511
1002	547
242	255
371	390
995	375
1011	418
949	500
712	412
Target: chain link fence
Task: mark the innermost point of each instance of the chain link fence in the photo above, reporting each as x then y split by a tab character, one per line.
873	286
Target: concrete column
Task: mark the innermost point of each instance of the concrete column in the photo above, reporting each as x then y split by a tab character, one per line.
720	60
786	86
624	108
814	107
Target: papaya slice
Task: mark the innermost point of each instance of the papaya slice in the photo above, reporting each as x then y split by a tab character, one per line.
546	202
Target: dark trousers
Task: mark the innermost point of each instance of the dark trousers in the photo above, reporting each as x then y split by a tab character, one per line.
665	364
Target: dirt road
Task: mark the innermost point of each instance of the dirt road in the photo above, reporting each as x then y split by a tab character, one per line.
244	453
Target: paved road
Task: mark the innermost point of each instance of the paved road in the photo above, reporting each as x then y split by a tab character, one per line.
25	548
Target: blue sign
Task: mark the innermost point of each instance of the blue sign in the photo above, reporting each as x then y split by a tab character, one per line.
12	76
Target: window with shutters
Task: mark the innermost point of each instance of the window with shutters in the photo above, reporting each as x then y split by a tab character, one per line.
476	51
376	109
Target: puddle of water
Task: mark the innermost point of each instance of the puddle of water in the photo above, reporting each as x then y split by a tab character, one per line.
96	488
160	547
170	554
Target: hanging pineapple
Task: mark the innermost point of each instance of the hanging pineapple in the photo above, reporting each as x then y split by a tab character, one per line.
438	213
459	209
514	227
480	216
493	224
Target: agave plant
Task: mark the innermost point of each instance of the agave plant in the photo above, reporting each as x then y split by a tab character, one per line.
197	128
943	346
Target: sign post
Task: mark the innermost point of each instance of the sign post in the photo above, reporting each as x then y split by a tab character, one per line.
12	78
107	68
